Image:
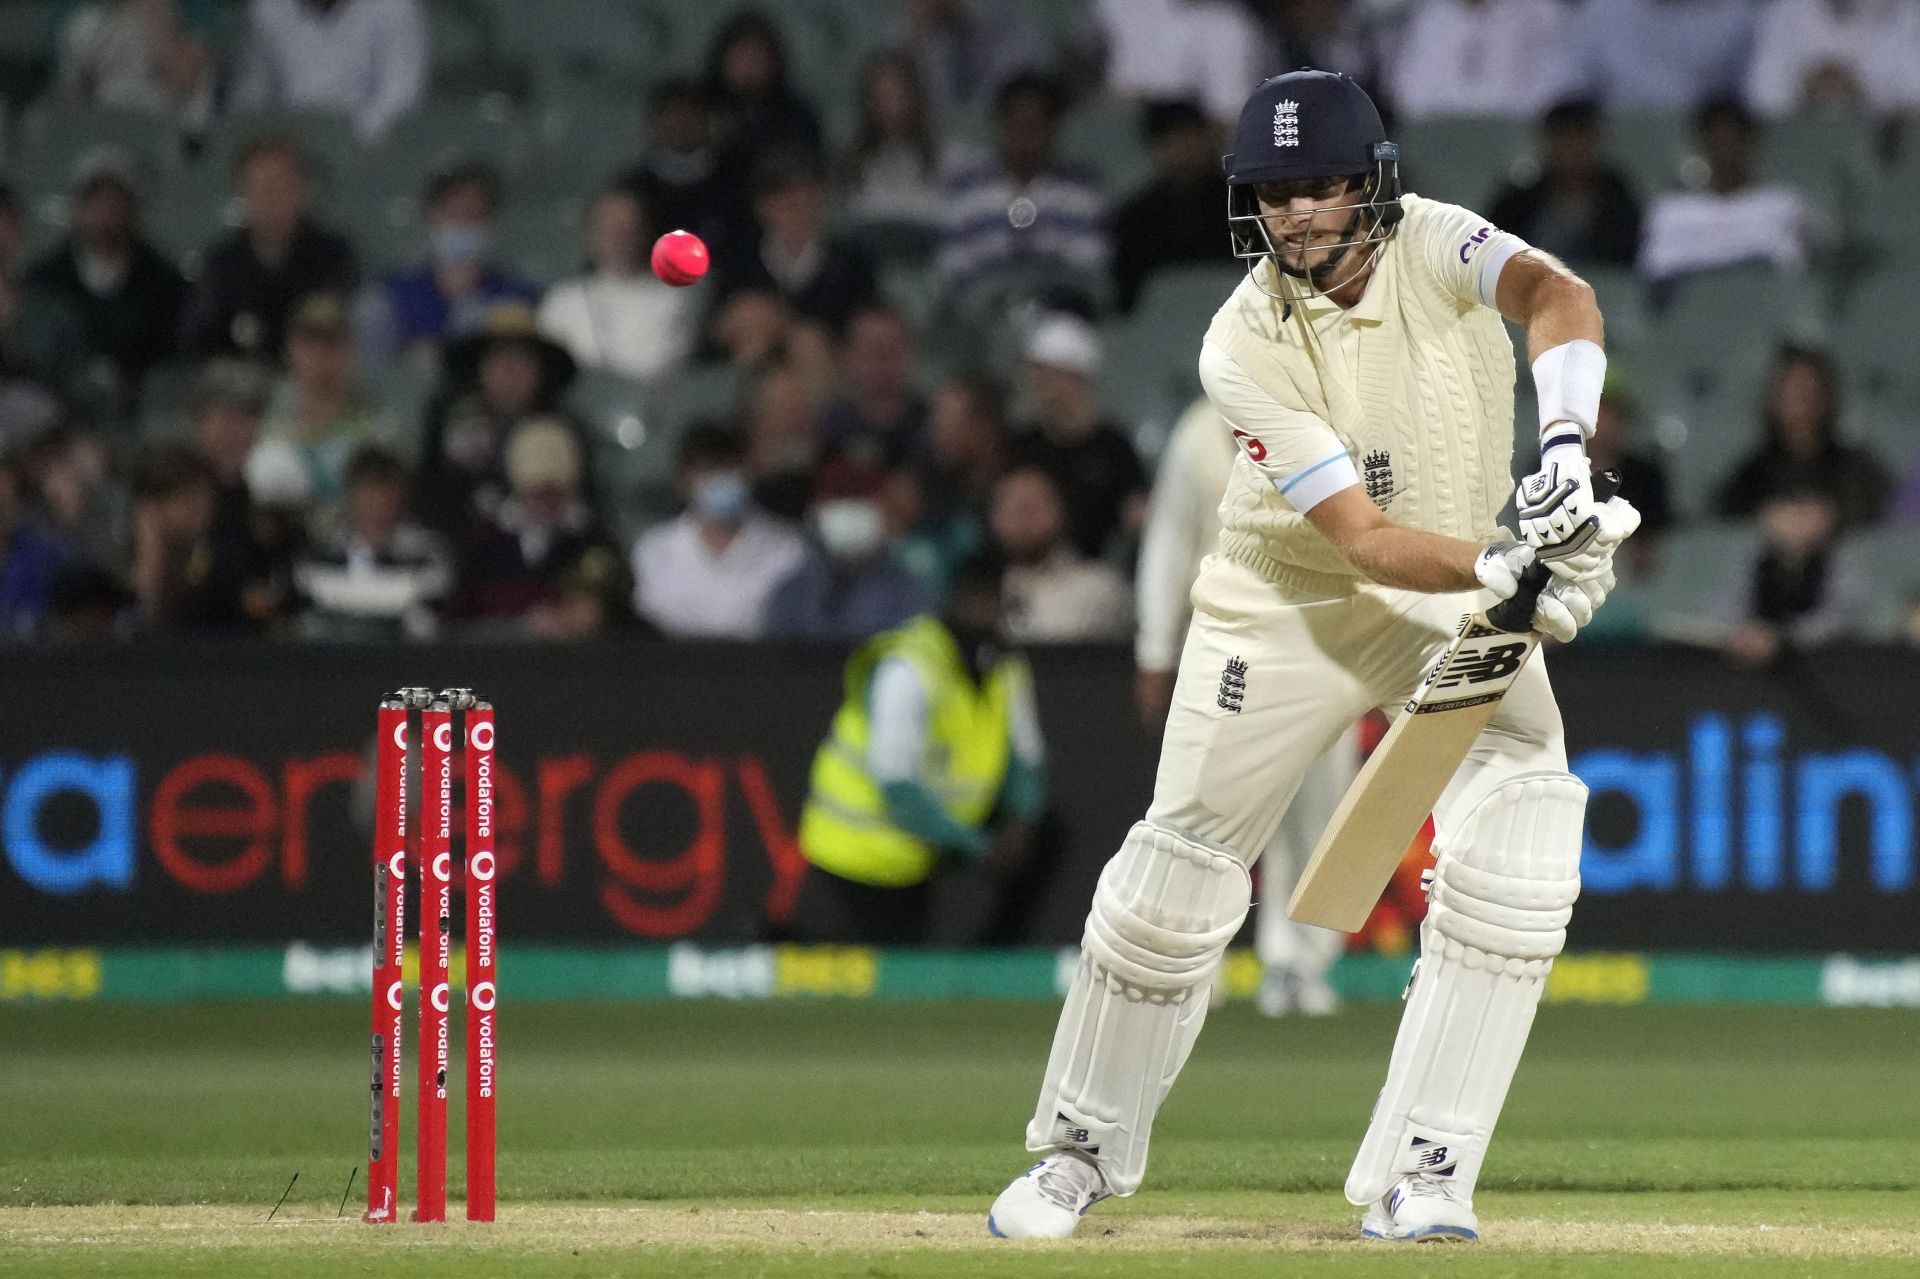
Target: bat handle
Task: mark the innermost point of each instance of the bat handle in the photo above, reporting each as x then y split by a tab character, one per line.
1515	614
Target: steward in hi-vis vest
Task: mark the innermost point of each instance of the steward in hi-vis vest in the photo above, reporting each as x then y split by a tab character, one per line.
937	735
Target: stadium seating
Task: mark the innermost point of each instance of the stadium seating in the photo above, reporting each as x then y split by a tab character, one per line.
1890	558
53	138
1683	598
1461	160
1105	137
1152	371
1649	147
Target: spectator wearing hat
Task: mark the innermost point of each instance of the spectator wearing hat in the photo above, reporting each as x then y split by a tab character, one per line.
619	316
850	585
363	59
1022	203
686	181
137	55
1089	456
819	278
1053	593
259	508
175	499
492	381
450	294
513	563
375	575
31	561
223	411
594	600
1734	218
709	571
1175	218
250	281
317	407
1578	205
126	298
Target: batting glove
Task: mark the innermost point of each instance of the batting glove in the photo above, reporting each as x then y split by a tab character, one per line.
1567	606
1556	504
1500	566
1616	520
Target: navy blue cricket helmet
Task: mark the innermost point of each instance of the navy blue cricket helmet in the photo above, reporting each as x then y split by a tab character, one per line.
1301	126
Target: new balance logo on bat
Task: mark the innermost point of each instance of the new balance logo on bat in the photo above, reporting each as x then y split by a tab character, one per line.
1481	666
1233	686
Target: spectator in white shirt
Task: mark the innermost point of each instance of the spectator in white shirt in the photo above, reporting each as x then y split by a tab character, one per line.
1731	219
364	59
1859	54
1053	594
709	571
1478	58
1199	50
618	316
136	55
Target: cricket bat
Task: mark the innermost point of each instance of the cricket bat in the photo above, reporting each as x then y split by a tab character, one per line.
1402	780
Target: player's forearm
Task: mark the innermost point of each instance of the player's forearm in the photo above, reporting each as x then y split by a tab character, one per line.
1563	310
1412	560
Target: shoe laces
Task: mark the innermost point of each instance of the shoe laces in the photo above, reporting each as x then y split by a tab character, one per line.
1071	1181
1428	1185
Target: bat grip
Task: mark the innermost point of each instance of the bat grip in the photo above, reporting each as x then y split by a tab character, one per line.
1515	614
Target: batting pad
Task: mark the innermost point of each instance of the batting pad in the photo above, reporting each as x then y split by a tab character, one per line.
1162	916
1501	896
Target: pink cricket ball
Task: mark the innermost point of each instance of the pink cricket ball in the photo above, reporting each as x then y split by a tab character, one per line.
680	258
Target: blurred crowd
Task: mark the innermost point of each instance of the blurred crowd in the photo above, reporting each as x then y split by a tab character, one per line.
869	437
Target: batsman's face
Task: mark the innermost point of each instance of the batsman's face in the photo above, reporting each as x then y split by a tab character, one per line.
1306	219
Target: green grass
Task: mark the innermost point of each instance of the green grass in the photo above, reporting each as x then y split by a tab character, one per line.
699	1139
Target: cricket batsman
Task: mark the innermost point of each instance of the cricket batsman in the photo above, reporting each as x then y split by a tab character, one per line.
1364	371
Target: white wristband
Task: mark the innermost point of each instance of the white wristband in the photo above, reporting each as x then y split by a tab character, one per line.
1567	382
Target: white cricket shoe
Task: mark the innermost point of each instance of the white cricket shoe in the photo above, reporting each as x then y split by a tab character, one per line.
1048	1201
1284	991
1421	1208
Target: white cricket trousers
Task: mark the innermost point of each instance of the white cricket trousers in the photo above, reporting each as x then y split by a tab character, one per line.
1281	943
1317	655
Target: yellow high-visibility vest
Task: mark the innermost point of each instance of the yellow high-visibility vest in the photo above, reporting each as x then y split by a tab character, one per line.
844	828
